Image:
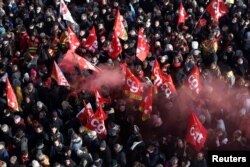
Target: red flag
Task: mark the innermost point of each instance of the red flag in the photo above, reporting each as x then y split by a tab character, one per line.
157	74
168	86
74	42
115	47
133	87
193	82
58	75
67	64
182	14
72	60
91	43
85	114
142	49
119	28
96	122
146	104
84	64
217	9
164	82
65	12
11	97
100	99
196	133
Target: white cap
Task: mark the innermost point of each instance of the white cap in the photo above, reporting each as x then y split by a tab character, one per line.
35	163
195	45
39	104
196	52
92	133
170	47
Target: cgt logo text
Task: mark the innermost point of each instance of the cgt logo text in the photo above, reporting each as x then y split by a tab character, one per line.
228	158
217	158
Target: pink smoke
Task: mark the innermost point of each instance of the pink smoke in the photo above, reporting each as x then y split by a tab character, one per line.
109	77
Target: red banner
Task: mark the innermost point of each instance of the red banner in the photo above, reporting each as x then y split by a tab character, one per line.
196	133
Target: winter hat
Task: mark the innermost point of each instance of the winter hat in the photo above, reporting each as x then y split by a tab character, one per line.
17	119
5	128
196	52
118	147
240	61
39	104
103	144
173	160
195	45
169	47
16	82
92	134
2	144
35	163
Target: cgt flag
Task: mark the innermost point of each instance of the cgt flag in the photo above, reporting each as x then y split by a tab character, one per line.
119	28
142	49
193	81
196	133
133	87
217	9
99	99
11	97
97	122
91	42
66	13
74	42
57	74
72	60
115	47
146	105
157	74
85	114
168	87
182	14
163	82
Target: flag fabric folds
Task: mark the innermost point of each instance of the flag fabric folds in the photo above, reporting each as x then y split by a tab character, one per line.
217	9
115	47
66	13
196	133
146	104
182	14
142	49
85	114
72	60
74	42
58	75
11	97
119	28
91	42
97	123
133	87
193	82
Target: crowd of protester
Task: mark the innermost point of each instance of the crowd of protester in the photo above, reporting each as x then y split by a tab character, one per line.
46	131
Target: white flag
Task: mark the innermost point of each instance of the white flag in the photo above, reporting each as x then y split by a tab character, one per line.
65	12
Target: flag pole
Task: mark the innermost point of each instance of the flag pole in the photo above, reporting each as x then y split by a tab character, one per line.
198	21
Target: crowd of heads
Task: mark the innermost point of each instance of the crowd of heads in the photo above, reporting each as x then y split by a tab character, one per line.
46	132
